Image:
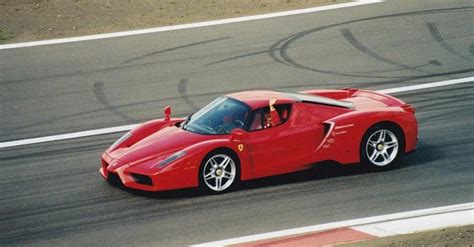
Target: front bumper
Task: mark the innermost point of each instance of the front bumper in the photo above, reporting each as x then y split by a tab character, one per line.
121	177
141	179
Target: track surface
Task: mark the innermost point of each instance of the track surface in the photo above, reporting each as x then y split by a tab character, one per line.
52	193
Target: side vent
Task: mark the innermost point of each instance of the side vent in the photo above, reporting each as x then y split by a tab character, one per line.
327	127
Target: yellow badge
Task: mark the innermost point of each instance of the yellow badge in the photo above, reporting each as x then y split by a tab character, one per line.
241	147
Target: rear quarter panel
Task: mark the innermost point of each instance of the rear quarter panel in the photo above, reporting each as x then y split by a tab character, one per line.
343	140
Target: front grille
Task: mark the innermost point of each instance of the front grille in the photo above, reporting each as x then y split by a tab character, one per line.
141	179
114	179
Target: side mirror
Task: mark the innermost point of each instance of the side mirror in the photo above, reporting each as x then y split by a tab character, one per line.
167	112
238	134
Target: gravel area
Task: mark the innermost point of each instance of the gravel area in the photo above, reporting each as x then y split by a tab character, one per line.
456	237
28	20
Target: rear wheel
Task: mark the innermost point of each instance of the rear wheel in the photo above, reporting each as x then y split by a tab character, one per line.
219	172
381	147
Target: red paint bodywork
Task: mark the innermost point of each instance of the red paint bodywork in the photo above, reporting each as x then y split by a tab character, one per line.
312	133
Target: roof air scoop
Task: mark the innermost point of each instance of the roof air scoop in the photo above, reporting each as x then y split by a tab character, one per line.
350	91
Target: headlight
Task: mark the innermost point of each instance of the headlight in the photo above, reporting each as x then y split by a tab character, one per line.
121	140
172	158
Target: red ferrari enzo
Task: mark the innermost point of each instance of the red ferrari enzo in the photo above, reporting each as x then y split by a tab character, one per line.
255	134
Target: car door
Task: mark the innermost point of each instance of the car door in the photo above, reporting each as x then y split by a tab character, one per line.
283	148
259	144
296	140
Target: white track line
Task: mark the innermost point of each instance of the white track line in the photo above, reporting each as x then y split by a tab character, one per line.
427	85
352	223
418	224
67	136
131	126
190	25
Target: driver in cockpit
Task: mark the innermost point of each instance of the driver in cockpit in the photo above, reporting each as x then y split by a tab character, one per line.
272	117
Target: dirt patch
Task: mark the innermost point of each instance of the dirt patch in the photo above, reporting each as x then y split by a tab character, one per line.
456	236
28	20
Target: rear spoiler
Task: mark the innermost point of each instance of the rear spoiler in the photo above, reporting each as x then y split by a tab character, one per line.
341	94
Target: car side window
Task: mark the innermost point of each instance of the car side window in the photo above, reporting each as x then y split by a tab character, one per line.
256	123
263	118
283	112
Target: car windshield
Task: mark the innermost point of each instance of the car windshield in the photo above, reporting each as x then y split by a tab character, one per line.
219	117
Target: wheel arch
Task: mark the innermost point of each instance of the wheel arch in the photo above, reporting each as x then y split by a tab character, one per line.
224	149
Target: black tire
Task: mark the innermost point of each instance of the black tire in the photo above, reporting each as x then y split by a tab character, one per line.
381	147
227	173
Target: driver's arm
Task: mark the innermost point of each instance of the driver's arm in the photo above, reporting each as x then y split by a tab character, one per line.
275	118
271	103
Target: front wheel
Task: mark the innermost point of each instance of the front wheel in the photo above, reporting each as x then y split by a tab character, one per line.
219	172
380	148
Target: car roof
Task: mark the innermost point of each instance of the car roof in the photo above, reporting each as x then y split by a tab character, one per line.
316	99
260	98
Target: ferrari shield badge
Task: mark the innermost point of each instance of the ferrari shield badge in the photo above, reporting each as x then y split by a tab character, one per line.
241	147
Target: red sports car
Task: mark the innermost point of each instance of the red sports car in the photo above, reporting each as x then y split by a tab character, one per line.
255	134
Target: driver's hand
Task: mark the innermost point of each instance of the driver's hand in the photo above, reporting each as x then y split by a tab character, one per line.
271	103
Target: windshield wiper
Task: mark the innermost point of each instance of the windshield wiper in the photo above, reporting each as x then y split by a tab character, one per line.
186	121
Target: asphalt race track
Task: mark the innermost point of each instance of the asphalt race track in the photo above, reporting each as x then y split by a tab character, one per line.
52	193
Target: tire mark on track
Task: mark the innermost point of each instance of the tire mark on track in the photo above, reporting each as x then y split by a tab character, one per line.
99	93
280	48
119	67
349	36
183	92
237	57
284	44
442	42
174	48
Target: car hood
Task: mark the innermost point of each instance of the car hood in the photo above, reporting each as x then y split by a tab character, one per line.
157	145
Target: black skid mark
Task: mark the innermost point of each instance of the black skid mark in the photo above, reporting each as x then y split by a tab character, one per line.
183	92
272	51
99	93
174	48
437	36
349	36
237	57
283	45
